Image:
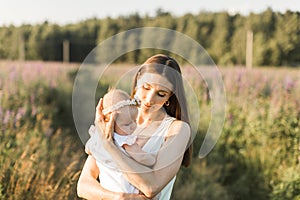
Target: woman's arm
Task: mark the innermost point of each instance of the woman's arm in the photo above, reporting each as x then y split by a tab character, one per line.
136	152
89	188
148	180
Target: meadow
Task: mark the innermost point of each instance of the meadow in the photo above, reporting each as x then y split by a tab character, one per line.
256	157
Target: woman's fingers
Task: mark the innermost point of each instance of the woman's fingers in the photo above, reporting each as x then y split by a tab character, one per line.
133	196
100	104
109	129
99	118
99	114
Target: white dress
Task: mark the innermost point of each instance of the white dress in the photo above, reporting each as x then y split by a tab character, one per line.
154	144
111	178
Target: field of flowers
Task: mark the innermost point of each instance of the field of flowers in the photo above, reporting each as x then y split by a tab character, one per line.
258	153
40	155
256	157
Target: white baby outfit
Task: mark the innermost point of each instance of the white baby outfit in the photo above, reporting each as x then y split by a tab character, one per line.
110	177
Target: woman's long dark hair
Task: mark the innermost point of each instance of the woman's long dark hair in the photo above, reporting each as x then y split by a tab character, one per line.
169	68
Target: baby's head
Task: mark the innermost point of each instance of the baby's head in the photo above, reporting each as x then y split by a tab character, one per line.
119	102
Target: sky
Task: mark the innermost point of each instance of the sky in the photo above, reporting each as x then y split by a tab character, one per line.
18	12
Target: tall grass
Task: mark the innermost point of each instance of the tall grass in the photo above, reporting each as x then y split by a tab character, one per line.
256	157
40	154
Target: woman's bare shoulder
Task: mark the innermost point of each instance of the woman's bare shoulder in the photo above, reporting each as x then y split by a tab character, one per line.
178	127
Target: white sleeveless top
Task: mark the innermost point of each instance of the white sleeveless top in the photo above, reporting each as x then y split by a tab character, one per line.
154	144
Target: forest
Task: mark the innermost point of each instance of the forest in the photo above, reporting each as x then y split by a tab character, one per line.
276	36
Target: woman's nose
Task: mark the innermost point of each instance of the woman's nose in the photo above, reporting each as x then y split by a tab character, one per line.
150	97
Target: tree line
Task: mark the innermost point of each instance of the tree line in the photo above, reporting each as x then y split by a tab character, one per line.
276	36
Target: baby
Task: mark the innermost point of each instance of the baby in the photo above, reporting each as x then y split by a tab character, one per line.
110	177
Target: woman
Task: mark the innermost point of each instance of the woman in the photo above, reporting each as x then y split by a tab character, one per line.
164	119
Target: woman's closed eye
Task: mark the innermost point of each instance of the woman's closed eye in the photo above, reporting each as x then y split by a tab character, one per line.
161	95
146	86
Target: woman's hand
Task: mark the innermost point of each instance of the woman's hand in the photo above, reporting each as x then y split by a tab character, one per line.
106	127
126	196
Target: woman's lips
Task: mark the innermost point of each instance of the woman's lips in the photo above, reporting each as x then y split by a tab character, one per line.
146	106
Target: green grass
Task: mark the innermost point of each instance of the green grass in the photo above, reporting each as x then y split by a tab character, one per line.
256	157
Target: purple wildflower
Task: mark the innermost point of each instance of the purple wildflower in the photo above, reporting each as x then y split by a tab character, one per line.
33	110
32	99
7	117
288	84
20	114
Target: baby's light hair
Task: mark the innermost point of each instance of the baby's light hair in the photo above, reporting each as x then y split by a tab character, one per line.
115	99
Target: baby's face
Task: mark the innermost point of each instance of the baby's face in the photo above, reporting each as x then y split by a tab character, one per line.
125	123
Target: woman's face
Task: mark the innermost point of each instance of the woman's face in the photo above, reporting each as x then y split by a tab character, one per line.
152	93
